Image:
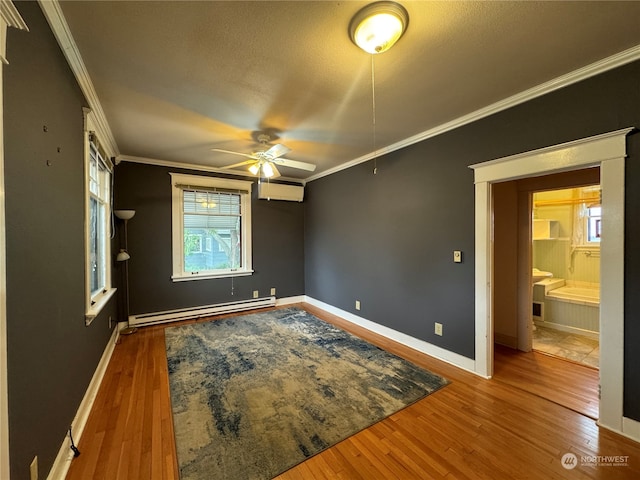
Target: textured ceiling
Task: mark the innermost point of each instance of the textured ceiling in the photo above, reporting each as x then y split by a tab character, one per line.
177	78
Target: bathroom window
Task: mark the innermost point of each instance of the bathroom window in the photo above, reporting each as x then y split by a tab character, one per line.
593	220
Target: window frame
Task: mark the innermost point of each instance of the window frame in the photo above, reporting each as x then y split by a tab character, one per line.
95	302
587	228
177	225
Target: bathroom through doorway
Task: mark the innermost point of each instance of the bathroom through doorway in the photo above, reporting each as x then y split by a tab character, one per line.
565	252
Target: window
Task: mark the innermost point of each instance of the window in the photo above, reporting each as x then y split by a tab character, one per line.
593	219
98	172
211	227
99	213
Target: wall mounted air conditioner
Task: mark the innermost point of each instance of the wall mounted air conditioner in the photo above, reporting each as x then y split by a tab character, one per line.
278	191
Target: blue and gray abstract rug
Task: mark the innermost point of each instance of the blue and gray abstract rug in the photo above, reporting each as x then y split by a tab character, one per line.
255	395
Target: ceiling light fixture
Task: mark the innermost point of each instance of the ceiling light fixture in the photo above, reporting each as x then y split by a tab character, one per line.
375	29
262	166
378	26
267	170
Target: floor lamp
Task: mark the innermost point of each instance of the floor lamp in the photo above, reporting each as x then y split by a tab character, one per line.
123	256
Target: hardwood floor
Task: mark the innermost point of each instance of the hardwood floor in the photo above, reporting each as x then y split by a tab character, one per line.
568	384
471	429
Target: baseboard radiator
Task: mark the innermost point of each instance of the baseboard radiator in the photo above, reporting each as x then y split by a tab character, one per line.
199	312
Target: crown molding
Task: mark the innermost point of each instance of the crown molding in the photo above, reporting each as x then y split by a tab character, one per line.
54	15
614	61
9	17
198	167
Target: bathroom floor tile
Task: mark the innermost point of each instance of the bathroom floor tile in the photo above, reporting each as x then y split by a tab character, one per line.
576	348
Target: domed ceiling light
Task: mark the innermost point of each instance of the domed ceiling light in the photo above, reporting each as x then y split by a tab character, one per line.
378	26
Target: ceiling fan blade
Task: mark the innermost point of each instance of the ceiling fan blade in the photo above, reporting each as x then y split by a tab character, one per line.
246	162
276	151
286	162
247	155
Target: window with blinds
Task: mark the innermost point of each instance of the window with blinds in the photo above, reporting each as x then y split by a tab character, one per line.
211	227
212	230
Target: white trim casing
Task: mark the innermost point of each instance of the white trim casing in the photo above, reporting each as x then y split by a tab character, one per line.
607	151
177	225
95	304
612	295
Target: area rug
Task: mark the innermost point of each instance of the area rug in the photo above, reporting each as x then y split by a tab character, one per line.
254	395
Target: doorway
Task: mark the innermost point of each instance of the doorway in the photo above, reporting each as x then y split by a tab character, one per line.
533	223
608	151
565	253
514	252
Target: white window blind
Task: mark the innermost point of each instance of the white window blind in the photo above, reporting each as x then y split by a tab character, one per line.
211	227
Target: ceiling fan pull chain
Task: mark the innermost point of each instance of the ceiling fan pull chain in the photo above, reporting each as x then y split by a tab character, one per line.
373	111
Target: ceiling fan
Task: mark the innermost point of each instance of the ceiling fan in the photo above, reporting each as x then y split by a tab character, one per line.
266	161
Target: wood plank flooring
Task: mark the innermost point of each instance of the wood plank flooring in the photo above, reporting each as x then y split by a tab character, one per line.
569	384
471	429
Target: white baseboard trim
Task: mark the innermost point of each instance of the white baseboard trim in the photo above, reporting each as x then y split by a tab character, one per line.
65	455
452	358
630	428
290	300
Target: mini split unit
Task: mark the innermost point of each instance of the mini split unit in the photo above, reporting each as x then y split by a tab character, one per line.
279	191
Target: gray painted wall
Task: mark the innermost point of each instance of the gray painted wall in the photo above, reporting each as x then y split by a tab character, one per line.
278	246
387	240
51	354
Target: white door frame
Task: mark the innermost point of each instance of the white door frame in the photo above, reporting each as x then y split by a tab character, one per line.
608	151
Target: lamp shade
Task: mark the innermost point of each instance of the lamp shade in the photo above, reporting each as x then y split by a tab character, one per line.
378	26
122	255
124	214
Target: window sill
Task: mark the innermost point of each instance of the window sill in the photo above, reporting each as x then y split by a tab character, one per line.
207	276
97	305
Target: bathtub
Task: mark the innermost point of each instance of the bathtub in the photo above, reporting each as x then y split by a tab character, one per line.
573	307
577	295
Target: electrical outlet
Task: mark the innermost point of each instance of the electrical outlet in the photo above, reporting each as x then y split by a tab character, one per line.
33	468
438	329
255	294
273	291
457	256
357	304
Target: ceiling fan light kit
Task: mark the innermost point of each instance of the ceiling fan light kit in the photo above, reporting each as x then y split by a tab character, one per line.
263	163
378	26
